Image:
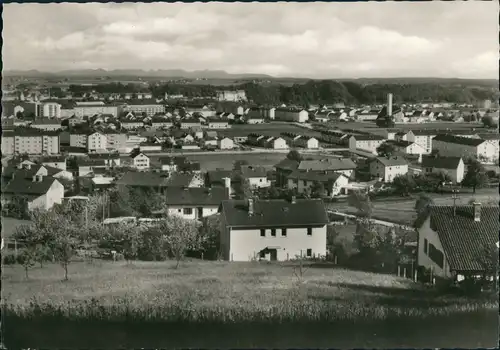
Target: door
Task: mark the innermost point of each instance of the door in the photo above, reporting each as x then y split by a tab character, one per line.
274	254
200	212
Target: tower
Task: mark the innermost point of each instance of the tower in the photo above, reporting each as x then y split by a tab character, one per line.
389	105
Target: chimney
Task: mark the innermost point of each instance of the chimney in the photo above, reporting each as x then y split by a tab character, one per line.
389	105
250	206
227	184
477	211
294	200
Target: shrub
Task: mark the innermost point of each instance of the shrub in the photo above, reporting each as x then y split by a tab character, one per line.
9	259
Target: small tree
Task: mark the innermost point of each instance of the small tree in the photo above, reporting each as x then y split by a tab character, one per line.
489	122
28	259
242	187
361	201
294	155
386	149
476	175
209	233
404	184
180	236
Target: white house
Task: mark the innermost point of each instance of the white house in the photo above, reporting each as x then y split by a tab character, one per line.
140	161
291	114
333	182
276	143
194	202
451	145
453	241
214	123
407	147
368	143
452	166
257	176
273	229
225	143
41	191
150	147
97	141
387	168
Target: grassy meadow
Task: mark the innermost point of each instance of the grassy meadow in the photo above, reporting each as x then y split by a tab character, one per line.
222	297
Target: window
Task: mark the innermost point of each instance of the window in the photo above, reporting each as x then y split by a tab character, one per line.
283	232
309	253
263	233
426	243
436	255
309	231
273	232
305	183
179	210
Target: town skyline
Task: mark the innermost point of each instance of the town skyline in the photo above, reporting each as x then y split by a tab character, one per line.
379	40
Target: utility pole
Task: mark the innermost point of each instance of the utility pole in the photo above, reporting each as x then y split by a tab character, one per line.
454	197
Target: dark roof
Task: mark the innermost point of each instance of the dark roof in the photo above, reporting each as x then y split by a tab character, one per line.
51	171
383	111
250	171
196	196
143	179
363	137
462	238
392	161
179	180
399	143
53	159
321	176
190	121
468	141
216	177
440	162
104	156
275	213
90	162
489	136
287	164
25	173
327	164
19	185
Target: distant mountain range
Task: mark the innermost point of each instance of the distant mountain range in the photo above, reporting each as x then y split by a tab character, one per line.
223	75
160	73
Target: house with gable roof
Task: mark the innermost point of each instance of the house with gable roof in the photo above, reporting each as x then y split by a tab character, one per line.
454	167
387	168
454	242
273	229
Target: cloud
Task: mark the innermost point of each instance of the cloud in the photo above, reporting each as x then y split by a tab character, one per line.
318	39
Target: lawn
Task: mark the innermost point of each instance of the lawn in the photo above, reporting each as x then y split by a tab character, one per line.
251	299
9	225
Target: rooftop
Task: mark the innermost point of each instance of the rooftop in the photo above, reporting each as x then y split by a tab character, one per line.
392	161
327	164
440	162
463	239
275	213
467	141
196	196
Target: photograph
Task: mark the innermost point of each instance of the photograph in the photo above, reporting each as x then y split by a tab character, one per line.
271	175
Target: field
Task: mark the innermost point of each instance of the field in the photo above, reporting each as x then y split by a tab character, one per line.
106	304
401	210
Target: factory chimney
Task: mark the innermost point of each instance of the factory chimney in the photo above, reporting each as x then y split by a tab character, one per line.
389	105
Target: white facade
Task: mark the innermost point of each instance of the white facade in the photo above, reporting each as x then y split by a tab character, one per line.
225	143
49	110
141	162
278	143
90	110
298	116
96	141
485	150
192	212
306	185
387	173
259	182
456	175
78	140
427	237
245	244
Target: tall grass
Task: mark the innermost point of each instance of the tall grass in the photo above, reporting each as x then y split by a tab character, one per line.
223	293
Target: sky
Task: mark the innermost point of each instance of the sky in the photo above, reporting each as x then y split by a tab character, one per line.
314	40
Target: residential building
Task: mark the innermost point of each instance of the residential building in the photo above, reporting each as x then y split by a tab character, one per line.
79	139
140	161
189	123
420	137
387	168
161	123
41	192
275	143
30	141
407	147
194	203
149	107
340	165
233	96
254	119
109	159
283	169
150	147
452	166
151	180
94	108
131	124
366	142
46	124
58	162
96	141
273	229
49	109
291	114
256	175
454	242
225	143
87	166
116	141
305	181
451	145
217	123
